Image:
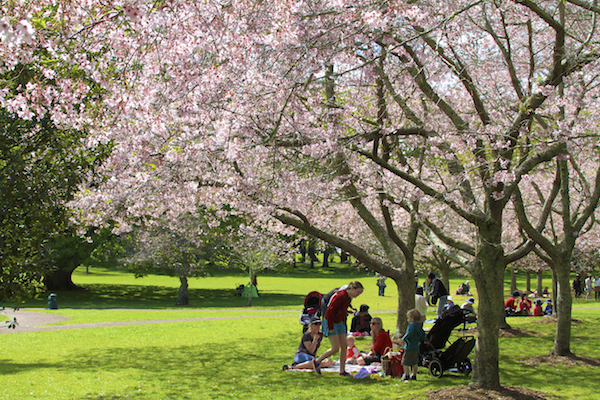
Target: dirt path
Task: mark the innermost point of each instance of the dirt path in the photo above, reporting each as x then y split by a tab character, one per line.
31	321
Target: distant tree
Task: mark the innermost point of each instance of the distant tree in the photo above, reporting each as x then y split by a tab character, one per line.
183	247
257	250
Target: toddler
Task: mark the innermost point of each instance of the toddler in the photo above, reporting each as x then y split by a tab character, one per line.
352	352
414	335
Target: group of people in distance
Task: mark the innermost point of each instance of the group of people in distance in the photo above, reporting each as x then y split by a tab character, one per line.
525	307
588	285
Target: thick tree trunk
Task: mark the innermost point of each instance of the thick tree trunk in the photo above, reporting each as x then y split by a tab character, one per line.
183	297
540	282
564	302
406	300
489	277
528	281
60	279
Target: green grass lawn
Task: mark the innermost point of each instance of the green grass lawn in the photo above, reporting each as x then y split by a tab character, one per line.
240	358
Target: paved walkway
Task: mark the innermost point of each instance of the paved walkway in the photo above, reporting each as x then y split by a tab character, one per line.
31	321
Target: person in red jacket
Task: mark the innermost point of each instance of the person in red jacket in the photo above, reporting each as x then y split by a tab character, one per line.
334	323
524	305
509	305
381	343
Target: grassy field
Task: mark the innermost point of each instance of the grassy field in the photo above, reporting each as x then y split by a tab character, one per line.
229	358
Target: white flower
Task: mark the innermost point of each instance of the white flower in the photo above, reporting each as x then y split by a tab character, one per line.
24	31
6	31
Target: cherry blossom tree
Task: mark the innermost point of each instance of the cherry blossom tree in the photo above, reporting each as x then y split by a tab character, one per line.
355	122
557	237
255	250
190	245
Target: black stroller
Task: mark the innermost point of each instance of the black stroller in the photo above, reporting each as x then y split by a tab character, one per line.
312	308
455	357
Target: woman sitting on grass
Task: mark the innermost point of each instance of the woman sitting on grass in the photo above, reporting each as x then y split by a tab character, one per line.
381	343
311	340
524	305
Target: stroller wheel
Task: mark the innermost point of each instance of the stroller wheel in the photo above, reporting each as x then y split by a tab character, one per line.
436	369
465	367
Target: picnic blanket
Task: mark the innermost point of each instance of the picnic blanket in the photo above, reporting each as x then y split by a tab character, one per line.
351	368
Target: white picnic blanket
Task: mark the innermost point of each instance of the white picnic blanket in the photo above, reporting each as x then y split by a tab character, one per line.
351	368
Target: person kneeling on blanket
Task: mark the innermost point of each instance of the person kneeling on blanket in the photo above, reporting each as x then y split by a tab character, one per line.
307	351
380	343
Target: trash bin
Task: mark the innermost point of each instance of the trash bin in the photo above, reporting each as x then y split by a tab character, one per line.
52	302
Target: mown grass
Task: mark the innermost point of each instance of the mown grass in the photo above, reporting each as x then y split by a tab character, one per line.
241	358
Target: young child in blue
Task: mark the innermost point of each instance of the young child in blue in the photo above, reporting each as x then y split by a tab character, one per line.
412	338
548	309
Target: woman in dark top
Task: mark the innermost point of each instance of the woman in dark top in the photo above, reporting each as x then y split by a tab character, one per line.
361	322
309	344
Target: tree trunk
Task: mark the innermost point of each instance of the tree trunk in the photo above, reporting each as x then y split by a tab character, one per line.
183	297
488	273
540	282
303	250
252	284
528	281
554	292
406	299
60	279
445	271
563	304
513	280
326	253
311	253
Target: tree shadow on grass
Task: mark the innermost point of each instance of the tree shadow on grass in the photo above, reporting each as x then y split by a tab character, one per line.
184	372
104	296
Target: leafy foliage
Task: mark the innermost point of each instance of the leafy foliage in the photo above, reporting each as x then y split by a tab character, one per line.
41	166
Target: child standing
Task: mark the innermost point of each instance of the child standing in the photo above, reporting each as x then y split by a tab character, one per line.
413	336
352	352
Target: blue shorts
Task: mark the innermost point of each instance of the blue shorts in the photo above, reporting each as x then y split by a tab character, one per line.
302	357
338	329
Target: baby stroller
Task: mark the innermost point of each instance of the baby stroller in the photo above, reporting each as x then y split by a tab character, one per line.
455	357
312	308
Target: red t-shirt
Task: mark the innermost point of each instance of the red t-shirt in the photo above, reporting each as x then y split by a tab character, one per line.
537	311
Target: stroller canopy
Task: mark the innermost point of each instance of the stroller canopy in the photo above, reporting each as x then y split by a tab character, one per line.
313	299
